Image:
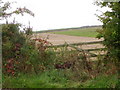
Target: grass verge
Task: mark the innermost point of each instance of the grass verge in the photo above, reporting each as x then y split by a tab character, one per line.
56	79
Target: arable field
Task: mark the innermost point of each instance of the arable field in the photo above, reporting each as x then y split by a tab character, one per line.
84	32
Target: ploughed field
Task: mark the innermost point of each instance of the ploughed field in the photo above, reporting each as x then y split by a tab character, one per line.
57	39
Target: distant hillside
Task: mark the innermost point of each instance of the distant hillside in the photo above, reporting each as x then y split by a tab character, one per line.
65	29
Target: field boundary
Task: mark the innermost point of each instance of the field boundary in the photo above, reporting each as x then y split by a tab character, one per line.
74	45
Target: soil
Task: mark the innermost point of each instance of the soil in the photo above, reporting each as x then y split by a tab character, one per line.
57	39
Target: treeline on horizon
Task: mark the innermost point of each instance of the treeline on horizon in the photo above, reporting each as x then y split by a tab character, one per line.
64	29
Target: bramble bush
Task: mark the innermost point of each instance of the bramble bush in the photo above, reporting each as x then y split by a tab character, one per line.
20	53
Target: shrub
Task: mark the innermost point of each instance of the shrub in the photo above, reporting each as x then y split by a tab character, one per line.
20	53
111	28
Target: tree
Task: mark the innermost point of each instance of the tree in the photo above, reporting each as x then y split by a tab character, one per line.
5	6
111	31
111	28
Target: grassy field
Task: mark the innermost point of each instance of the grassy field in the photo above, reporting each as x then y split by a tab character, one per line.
84	32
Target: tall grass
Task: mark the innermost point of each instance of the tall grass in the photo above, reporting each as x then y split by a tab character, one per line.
57	79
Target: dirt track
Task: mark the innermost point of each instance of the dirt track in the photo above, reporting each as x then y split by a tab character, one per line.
57	39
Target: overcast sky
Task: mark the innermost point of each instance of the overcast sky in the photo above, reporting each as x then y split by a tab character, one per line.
53	14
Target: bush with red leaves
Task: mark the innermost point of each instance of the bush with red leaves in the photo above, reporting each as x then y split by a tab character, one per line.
65	65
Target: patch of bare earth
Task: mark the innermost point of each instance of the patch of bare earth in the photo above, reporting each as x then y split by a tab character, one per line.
57	39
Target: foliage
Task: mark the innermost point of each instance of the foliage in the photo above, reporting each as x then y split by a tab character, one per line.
111	28
102	81
5	6
20	54
57	79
